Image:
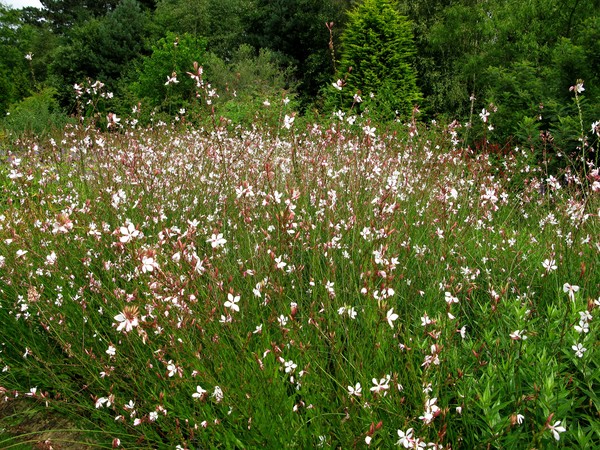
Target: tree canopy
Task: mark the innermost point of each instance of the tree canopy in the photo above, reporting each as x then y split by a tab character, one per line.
451	57
377	56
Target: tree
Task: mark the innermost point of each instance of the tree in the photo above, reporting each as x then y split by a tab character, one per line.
377	56
522	57
297	30
64	14
21	76
220	22
100	48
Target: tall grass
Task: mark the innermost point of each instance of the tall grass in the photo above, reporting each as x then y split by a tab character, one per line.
318	285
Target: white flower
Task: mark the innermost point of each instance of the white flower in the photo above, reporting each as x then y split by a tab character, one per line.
172	79
282	320
32	392
578	87
50	259
288	121
338	84
381	385
369	131
217	394
583	327
103	401
29	56
355	390
406	439
216	240
391	317
279	264
111	350
549	265
450	298
484	114
425	320
112	119
199	392
352	313
518	335
128	233
148	264
556	429
570	290
127	320
232	302
579	350
290	366
172	368
431	411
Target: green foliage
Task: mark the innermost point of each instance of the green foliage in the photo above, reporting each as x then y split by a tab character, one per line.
101	49
286	268
220	22
246	81
377	53
173	55
521	56
19	77
64	14
35	115
297	30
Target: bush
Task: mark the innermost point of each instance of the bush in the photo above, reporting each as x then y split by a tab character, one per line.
246	82
36	114
171	56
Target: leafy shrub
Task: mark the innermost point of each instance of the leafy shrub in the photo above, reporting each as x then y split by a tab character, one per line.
172	56
36	114
248	83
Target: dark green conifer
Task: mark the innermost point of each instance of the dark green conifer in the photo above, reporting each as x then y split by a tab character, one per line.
377	54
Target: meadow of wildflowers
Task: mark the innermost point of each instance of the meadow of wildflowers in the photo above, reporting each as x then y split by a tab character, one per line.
333	285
